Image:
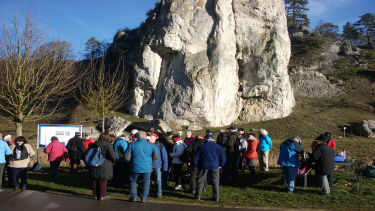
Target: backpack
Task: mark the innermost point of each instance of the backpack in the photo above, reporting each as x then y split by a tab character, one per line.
20	152
120	150
94	157
369	171
242	145
185	157
73	146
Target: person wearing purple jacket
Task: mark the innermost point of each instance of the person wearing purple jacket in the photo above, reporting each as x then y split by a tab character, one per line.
209	158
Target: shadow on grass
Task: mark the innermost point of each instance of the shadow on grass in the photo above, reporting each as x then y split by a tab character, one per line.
44	188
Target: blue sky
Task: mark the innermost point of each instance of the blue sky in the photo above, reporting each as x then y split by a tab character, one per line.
78	20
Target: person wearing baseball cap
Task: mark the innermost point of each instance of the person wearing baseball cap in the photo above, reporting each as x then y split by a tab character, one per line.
209	158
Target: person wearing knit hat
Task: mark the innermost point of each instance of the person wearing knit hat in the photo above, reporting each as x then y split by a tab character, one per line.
19	162
178	149
8	139
192	149
209	158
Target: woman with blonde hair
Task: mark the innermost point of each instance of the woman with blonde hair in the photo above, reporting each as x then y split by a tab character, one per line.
265	144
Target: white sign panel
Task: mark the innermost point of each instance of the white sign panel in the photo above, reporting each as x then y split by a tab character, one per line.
62	132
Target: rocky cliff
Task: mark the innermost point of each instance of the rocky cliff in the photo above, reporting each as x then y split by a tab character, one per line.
210	62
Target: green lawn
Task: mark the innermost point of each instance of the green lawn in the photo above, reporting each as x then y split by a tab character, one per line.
262	190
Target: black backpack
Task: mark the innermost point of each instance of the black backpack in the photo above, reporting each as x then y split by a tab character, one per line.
186	156
20	152
72	146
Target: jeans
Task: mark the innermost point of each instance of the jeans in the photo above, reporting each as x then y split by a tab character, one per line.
2	167
156	172
145	188
290	174
214	175
99	187
325	184
330	179
54	165
22	173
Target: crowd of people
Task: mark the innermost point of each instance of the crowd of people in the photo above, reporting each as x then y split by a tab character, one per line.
144	156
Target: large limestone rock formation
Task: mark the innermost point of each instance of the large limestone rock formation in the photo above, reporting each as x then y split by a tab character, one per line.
310	83
212	62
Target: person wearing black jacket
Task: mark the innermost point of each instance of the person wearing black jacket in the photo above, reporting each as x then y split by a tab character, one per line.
230	171
101	174
324	157
76	151
192	149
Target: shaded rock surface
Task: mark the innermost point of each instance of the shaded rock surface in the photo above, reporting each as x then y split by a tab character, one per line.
157	124
210	62
366	128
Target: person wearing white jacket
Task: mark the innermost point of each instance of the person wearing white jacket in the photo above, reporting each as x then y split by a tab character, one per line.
178	150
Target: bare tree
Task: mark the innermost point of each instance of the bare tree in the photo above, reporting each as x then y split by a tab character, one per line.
34	79
104	90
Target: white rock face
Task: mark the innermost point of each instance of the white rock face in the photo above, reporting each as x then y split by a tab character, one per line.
214	62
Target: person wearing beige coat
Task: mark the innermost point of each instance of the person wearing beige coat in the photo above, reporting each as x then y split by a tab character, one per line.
19	166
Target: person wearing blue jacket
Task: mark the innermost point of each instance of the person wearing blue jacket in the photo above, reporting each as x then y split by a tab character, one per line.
289	160
121	171
159	165
264	147
209	158
141	154
4	150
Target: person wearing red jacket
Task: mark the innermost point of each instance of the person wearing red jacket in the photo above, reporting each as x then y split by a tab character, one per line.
56	153
251	153
87	142
331	143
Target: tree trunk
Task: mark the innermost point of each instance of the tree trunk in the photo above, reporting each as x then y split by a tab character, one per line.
18	129
103	124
